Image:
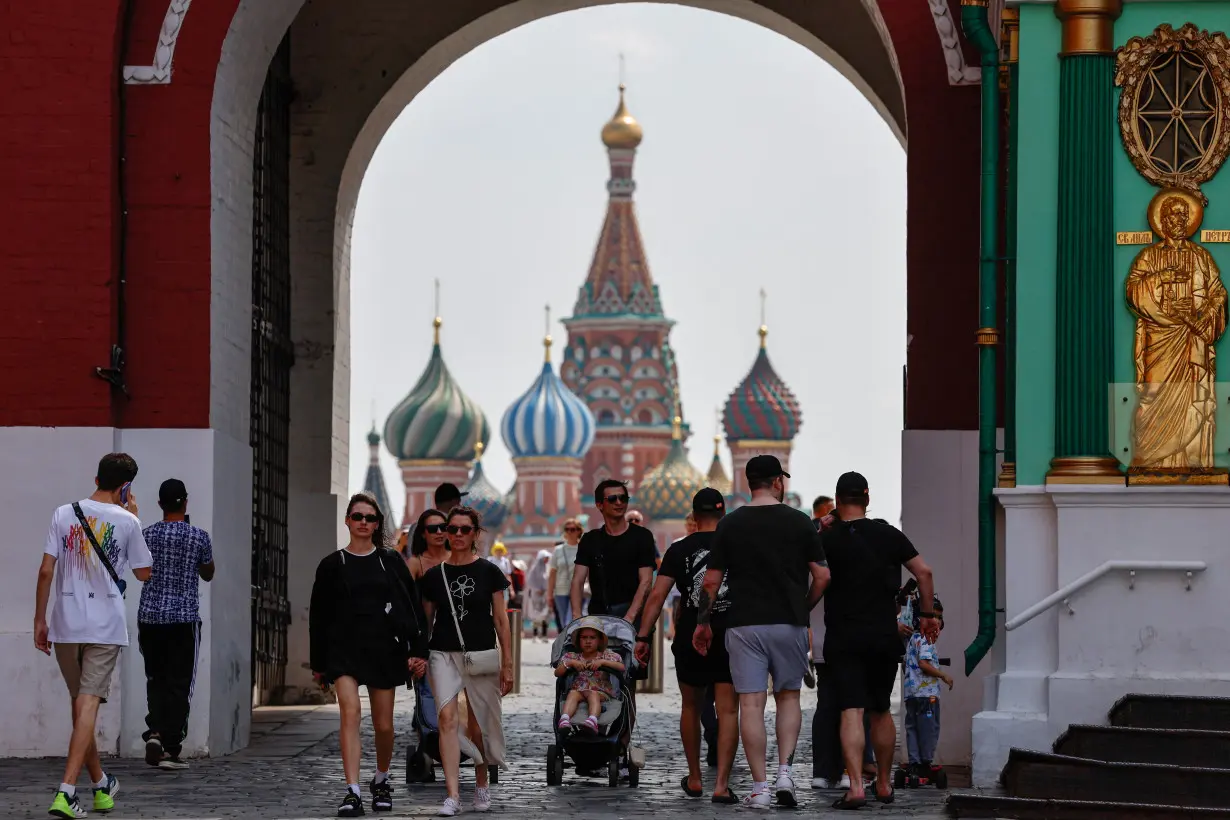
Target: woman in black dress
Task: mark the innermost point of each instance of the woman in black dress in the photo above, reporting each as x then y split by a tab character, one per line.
464	600
367	629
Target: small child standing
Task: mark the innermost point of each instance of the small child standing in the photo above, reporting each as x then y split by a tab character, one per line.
921	691
592	682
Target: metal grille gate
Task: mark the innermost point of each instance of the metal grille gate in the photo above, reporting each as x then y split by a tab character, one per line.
272	357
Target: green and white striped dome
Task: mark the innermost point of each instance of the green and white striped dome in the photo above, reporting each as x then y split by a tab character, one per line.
436	420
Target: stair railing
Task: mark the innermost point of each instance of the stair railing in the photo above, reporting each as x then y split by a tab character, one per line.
1063	594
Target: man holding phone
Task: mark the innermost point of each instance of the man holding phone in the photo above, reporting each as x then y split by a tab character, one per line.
90	545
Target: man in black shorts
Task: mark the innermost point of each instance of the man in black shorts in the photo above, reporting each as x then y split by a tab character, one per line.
861	644
684	567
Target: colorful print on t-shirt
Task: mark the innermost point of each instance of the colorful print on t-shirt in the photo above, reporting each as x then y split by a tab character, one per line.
917	683
79	554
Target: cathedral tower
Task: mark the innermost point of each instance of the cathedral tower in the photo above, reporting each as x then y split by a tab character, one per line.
618	358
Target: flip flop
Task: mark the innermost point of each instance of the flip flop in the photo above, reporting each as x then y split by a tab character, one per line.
683	784
892	795
849	805
728	799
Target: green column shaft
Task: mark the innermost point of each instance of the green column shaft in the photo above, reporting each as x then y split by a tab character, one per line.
1085	264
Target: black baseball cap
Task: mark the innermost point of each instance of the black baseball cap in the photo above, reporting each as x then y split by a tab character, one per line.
448	492
851	484
764	467
172	492
708	500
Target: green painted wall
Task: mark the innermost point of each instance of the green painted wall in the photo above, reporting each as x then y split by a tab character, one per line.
1037	223
1132	195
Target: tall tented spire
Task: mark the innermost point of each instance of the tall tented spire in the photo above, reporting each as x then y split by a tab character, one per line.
374	481
619	281
718	479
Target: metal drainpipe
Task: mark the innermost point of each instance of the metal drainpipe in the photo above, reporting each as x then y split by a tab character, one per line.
977	29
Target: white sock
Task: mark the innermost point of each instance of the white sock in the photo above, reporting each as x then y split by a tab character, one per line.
354	787
381	776
68	789
783	769
760	788
102	784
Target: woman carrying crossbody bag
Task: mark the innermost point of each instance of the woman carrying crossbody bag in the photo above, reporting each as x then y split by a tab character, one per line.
465	656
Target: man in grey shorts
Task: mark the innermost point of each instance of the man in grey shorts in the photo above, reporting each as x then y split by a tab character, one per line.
775	573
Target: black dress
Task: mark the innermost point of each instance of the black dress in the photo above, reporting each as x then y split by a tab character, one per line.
363	621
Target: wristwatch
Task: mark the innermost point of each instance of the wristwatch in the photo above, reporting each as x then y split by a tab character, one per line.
926	614
642	639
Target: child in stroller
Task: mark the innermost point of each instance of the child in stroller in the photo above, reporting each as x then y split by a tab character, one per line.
608	723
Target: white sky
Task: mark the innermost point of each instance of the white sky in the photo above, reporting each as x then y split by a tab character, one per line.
761	167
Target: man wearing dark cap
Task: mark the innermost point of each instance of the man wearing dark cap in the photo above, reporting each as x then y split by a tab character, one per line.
684	567
447	497
861	643
770	557
169	623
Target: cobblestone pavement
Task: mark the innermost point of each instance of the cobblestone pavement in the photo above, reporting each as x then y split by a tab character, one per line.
292	771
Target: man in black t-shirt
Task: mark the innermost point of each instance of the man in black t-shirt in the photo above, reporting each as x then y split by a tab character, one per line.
861	644
684	567
771	557
617	559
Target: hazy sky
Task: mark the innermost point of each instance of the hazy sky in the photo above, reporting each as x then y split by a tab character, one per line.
761	167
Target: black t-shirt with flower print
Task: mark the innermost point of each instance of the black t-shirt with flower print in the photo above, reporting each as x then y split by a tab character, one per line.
472	586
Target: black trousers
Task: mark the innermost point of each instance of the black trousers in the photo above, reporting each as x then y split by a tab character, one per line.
170	654
826	731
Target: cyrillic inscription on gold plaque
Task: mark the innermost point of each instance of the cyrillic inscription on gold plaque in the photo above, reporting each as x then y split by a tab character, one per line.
1134	238
1215	236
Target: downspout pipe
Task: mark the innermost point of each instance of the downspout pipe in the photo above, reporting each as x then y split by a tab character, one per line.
975	24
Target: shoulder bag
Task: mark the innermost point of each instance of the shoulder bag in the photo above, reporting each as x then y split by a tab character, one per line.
477	664
99	551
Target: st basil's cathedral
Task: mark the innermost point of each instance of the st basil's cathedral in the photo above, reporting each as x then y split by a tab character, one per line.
612	411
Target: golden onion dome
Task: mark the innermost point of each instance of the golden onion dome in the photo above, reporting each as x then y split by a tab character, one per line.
623	131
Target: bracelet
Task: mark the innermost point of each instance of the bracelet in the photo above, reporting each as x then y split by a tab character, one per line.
926	614
642	639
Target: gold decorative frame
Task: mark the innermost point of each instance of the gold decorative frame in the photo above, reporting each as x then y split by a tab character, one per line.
1133	63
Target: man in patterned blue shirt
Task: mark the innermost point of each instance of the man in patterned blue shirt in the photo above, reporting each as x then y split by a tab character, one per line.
169	623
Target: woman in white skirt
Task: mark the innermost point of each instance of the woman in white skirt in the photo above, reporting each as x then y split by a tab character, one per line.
464	601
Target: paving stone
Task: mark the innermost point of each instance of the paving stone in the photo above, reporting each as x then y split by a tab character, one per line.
292	770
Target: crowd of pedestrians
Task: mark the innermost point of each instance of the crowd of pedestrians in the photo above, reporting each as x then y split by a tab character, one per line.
744	590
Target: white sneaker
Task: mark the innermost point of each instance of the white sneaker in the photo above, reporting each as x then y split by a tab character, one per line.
823	783
845	782
760	800
451	808
785	791
482	799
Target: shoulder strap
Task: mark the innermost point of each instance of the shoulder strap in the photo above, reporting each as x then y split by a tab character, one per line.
99	551
448	591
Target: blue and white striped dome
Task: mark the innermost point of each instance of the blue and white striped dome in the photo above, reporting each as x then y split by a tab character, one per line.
548	420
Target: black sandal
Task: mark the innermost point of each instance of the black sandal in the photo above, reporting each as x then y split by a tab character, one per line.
892	795
728	799
683	784
845	804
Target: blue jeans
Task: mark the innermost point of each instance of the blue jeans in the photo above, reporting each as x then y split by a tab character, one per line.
922	728
563	609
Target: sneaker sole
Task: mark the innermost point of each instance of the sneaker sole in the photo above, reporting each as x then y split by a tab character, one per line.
153	752
786	798
169	766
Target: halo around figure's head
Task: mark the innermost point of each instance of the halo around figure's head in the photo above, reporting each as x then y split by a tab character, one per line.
1165	199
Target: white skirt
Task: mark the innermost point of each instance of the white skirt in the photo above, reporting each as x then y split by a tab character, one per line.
446	672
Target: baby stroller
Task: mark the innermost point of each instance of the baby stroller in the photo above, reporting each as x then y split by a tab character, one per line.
421	758
609	746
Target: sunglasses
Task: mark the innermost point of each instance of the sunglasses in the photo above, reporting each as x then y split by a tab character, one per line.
369	518
464	529
616	499
435	529
572	529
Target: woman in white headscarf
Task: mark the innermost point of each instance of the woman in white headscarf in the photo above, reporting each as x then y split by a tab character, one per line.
538	601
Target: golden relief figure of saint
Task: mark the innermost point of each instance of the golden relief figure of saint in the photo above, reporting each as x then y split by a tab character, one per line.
1176	294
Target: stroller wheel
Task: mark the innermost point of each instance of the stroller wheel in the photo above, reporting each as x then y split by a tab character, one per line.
634	776
418	767
899	778
493	774
940	779
555	767
612	772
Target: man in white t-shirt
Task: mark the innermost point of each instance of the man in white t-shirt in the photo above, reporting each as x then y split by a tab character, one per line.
85	621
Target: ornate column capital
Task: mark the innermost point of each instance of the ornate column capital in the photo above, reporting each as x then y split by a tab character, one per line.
1088	25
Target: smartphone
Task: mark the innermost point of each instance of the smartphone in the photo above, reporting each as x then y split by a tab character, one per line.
125	493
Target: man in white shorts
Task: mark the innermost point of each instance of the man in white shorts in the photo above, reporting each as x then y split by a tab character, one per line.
775	572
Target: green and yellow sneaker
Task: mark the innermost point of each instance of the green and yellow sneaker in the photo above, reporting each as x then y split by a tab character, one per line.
67	807
104	798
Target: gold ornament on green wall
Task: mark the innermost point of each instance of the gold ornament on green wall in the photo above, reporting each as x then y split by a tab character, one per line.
1176	87
1176	84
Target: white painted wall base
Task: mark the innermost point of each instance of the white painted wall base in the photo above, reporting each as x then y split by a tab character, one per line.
57	465
1120	637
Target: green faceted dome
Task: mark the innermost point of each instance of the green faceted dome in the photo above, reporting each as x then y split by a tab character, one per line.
436	420
666	491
